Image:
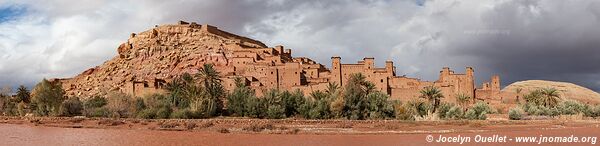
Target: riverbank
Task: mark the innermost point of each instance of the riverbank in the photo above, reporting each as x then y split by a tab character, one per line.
235	131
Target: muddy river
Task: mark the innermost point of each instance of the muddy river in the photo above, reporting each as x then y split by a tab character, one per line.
38	135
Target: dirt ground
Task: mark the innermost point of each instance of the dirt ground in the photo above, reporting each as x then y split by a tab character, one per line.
239	131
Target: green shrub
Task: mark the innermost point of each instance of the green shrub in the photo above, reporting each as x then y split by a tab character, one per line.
71	107
443	109
533	110
156	100
594	111
139	105
316	109
379	107
163	113
515	113
479	111
92	107
8	106
120	104
95	102
147	114
47	96
553	112
275	112
541	111
255	108
274	104
237	100
455	112
355	100
98	112
182	114
153	106
571	107
204	107
292	102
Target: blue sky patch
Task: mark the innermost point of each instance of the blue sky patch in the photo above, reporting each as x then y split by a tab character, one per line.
8	13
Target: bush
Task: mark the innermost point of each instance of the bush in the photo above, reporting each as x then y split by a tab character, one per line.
379	107
275	112
98	112
355	95
237	100
412	110
147	114
292	102
456	112
71	107
515	113
120	104
479	111
443	109
182	114
204	107
48	96
92	107
595	111
571	107
316	109
163	113
273	102
255	108
157	106
95	102
139	105
8	106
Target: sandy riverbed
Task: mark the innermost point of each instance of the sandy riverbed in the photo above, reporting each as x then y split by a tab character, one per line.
226	131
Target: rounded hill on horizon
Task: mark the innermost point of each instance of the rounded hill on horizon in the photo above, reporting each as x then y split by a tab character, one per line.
567	90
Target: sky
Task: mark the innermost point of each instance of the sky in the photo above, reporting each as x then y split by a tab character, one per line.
556	40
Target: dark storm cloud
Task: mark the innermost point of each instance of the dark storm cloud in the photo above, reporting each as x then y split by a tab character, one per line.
538	40
517	39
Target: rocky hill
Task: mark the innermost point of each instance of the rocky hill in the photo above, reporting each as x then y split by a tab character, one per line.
159	53
567	90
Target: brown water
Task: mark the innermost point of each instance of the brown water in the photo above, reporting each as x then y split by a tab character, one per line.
37	135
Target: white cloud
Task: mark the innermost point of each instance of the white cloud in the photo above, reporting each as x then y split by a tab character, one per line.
64	37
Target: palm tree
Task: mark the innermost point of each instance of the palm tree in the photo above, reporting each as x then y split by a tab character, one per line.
23	94
209	77
332	88
550	97
354	96
210	80
433	95
183	89
463	100
360	80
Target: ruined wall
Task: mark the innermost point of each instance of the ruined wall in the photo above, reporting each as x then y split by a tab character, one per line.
490	90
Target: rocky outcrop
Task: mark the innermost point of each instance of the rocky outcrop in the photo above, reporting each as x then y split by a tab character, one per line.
159	53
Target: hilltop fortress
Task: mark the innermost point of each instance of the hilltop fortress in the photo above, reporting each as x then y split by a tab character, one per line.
150	59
